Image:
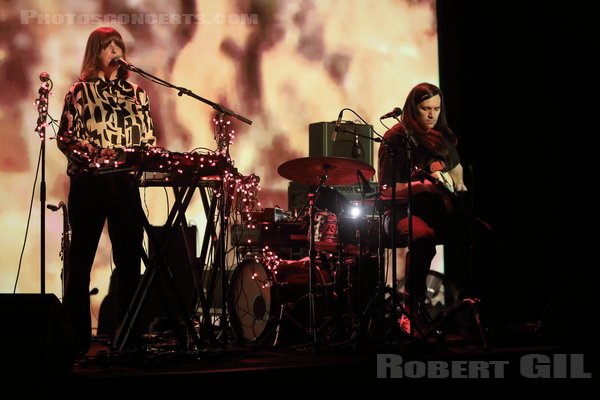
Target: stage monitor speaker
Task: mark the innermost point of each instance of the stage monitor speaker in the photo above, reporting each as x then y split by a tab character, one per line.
321	145
181	258
160	300
35	336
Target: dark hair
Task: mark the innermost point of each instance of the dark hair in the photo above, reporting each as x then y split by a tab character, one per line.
433	138
99	39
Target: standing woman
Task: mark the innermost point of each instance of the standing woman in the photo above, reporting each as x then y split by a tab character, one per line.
103	112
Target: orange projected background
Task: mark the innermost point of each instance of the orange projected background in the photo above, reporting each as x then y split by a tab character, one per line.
283	64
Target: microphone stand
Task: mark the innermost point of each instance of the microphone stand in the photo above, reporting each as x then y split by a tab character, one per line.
407	145
218	107
407	148
41	104
393	217
222	110
390	149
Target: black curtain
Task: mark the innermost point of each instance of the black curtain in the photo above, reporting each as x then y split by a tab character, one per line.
500	71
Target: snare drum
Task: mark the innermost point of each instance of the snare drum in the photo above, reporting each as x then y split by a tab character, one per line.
326	231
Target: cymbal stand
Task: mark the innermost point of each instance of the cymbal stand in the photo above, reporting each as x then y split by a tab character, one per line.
355	293
390	148
312	251
377	300
406	145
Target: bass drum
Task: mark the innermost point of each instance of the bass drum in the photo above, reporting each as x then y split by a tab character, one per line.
260	299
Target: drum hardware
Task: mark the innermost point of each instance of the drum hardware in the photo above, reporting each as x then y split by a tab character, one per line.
326	231
266	294
272	214
269	304
285	314
364	294
318	171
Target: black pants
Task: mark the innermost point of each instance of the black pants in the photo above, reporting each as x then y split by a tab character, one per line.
94	200
434	221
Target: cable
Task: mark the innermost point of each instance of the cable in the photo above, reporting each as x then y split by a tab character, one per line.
167	198
37	170
146	203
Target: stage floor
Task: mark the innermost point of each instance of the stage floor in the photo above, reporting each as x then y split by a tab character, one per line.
339	367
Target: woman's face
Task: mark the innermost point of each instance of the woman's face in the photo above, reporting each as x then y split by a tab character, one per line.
109	53
429	111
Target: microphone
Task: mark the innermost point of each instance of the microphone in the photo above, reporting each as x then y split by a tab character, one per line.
123	62
44	77
55	208
337	126
366	188
392	114
356	148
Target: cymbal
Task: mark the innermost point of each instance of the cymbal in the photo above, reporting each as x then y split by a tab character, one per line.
310	170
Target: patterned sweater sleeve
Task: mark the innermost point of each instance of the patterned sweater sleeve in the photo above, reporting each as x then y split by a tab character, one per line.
147	139
72	138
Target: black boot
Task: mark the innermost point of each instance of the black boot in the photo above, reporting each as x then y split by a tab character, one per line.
417	315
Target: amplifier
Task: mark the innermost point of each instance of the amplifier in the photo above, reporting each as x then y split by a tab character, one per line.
320	143
270	234
271	215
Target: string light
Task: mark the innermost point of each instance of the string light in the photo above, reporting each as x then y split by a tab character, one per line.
41	105
241	192
272	262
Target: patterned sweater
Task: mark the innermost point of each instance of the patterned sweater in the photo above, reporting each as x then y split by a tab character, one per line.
103	114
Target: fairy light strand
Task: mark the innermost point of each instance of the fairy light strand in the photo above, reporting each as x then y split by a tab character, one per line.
41	105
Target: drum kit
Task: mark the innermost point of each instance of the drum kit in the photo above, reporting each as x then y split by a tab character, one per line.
316	297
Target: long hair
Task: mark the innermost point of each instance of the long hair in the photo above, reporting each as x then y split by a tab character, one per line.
99	39
433	139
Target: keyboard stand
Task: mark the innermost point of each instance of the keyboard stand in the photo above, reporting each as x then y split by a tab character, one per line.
157	264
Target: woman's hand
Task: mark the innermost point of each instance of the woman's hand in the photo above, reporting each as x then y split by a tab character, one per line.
460	187
107	152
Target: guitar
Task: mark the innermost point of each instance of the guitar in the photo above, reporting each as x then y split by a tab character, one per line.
439	179
65	242
456	202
